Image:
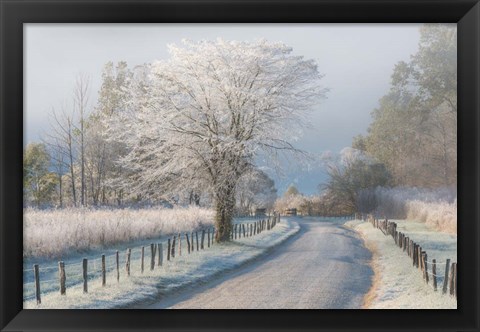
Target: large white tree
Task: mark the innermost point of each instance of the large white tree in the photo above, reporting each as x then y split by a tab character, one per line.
212	107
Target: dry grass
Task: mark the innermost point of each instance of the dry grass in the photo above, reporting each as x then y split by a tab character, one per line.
54	233
436	208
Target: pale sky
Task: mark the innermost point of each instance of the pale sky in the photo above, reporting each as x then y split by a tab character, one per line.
357	60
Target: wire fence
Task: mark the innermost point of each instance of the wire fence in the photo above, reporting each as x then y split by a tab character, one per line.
59	278
429	268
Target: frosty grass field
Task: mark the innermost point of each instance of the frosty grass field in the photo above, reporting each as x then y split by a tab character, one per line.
181	271
70	235
397	284
60	233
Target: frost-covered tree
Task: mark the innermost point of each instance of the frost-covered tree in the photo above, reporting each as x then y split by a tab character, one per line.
212	107
255	190
102	172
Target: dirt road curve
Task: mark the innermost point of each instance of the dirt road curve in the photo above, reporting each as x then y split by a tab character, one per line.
323	266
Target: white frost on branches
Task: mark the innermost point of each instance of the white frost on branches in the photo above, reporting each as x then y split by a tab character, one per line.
209	109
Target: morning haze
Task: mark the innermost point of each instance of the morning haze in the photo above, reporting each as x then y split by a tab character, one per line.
357	61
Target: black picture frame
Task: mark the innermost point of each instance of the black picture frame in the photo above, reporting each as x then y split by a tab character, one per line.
14	13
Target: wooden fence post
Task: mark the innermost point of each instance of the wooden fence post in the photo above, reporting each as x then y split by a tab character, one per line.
251	228
188	243
422	264
62	277
160	254
193	242
243	228
452	279
208	237
434	274
169	248
173	245
179	244
85	275
414	253
104	271
36	275
425	266
203	239
152	256
127	263
445	278
419	258
117	261
196	237
143	258
455	281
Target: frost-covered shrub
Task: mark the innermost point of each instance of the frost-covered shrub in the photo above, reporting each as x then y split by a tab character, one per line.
53	233
290	202
435	207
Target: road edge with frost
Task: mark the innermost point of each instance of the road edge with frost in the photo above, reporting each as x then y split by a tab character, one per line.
174	277
293	230
395	284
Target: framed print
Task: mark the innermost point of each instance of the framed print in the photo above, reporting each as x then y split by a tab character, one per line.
259	166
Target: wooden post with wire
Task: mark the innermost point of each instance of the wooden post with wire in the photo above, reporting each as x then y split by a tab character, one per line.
434	274
179	244
127	263
62	278
152	256
455	281
452	279
445	278
117	263
168	249
143	259
196	237
85	275
36	275
104	271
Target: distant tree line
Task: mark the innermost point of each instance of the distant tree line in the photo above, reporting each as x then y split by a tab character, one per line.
412	140
414	130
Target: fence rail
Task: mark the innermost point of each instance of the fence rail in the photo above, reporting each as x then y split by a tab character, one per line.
420	258
86	270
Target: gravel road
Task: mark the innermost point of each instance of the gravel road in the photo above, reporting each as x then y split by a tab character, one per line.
323	266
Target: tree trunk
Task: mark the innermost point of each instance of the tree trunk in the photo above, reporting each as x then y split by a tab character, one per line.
224	207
